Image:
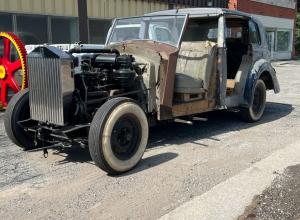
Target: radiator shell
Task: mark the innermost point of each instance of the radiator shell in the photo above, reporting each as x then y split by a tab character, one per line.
50	80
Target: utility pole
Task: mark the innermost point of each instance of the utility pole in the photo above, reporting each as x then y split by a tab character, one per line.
83	21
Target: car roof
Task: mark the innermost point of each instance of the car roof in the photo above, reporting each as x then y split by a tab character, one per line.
199	12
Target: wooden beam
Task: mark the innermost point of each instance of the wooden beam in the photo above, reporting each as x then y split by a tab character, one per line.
191	108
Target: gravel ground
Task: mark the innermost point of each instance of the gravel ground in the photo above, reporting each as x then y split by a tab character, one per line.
280	201
181	162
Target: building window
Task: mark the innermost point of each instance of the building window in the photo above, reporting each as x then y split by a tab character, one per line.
6	22
64	30
32	29
270	36
171	6
98	30
283	41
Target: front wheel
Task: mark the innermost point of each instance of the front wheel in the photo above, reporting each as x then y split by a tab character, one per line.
256	109
18	110
118	135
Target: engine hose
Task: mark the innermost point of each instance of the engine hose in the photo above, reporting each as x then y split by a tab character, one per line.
85	50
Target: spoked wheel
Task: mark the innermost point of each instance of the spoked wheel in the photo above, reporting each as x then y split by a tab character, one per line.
13	69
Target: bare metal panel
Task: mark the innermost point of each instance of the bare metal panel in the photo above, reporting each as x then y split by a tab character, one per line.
49	79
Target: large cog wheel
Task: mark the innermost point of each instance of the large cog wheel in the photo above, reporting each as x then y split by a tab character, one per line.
10	83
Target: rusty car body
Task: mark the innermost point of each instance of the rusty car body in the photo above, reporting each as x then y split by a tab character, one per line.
249	67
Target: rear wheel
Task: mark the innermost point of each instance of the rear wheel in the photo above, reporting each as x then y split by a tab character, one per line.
18	110
256	109
118	135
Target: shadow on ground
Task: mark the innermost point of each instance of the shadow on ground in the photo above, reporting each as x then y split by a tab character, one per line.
219	122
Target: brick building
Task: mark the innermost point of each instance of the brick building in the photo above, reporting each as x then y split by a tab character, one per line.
278	17
65	21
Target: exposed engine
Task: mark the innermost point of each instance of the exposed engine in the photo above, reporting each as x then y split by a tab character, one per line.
102	76
67	89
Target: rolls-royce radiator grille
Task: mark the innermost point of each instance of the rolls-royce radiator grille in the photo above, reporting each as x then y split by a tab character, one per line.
45	90
49	81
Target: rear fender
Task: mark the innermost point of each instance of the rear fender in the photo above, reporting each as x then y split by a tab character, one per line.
262	69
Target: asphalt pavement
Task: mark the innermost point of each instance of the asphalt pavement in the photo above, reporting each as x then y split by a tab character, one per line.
181	164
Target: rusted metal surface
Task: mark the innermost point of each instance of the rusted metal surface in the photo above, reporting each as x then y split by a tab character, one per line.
167	79
213	83
215	94
166	73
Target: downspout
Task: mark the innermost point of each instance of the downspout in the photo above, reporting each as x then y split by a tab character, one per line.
83	21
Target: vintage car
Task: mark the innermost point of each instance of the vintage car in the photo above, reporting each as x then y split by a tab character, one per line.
213	59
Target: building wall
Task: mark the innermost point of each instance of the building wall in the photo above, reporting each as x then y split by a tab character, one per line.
47	18
282	3
282	30
260	8
278	17
45	7
196	3
122	8
106	9
16	15
56	21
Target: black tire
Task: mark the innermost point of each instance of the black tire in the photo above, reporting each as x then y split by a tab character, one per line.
18	110
256	109
118	135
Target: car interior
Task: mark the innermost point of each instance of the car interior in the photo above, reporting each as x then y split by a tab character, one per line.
239	53
198	53
197	60
236	43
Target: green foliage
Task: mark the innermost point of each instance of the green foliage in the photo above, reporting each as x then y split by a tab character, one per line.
298	34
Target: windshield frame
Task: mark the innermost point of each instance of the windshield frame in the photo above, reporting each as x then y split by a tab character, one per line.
112	28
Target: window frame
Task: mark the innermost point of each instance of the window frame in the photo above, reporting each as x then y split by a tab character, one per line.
258	34
111	21
276	40
68	18
11	17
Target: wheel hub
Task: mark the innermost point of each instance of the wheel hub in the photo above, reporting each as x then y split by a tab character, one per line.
125	137
2	72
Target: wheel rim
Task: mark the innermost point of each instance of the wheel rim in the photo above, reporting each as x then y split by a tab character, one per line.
13	73
258	99
126	137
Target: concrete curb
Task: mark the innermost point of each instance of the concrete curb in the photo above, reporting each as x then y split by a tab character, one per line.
228	199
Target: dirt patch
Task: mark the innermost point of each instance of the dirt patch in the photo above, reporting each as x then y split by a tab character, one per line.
280	201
